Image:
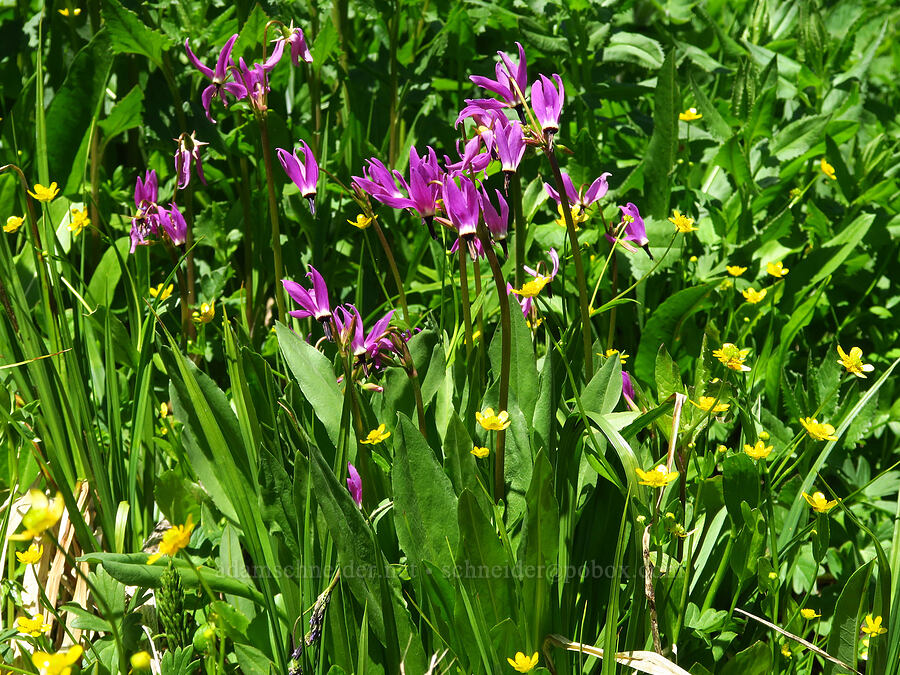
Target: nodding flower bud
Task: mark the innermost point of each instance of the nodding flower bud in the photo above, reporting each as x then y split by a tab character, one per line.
304	174
297	41
354	484
188	151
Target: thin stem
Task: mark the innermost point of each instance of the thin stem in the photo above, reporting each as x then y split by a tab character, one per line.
248	242
505	356
273	217
579	266
392	263
612	312
466	305
479	318
515	184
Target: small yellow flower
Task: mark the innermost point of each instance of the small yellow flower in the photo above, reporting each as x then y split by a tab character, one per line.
872	626
809	614
818	502
78	221
753	296
758	451
623	357
777	269
480	453
735	270
578	216
523	663
693	258
13	223
34	626
732	357
763	435
819	431
173	540
532	288
362	221
59	663
43	514
689	115
33	555
682	223
376	436
722	448
44	194
827	169
707	403
162	293
140	661
853	362
163	410
491	422
785	651
657	478
773	575
206	312
65	11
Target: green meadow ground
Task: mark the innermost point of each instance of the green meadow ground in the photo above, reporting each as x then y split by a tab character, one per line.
603	367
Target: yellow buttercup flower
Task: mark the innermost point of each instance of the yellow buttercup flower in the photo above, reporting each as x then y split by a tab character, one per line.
480	453
43	514
523	663
491	422
853	362
777	269
707	403
735	270
721	447
657	478
173	540
872	626
362	221
689	115
623	357
79	221
753	296
809	614
206	312
732	357
758	451
13	223
819	431
65	11
682	223
34	626
376	436
162	293
827	169
32	556
59	663
818	502
532	288
578	216
44	194
140	661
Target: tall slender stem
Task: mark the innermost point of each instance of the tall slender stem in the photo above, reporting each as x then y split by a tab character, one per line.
273	217
394	271
612	312
505	357
248	242
579	266
466	305
479	319
515	184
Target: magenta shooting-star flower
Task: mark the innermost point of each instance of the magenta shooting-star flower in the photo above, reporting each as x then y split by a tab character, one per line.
299	49
313	302
220	86
255	79
547	102
510	144
354	484
188	151
463	209
304	174
583	198
634	230
497	222
507	73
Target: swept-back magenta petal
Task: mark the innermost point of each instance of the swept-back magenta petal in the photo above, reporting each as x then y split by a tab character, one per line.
547	102
304	174
462	205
